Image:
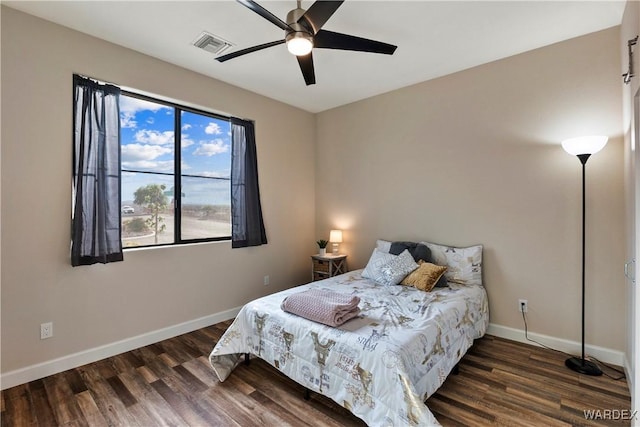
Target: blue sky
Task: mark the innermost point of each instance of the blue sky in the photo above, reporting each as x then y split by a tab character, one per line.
148	141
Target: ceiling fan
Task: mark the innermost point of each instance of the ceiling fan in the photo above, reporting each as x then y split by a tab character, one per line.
303	32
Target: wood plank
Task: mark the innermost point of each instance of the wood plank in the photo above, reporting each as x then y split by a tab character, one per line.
156	406
179	403
147	374
446	409
217	414
61	399
74	379
106	399
195	385
126	361
90	410
40	401
18	411
246	410
121	391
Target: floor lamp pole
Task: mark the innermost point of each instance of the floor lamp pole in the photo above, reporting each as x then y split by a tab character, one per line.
582	365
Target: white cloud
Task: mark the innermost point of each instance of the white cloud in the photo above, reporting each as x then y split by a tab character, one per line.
217	146
185	141
215	174
127	120
154	137
136	152
150	120
213	129
158	166
186	127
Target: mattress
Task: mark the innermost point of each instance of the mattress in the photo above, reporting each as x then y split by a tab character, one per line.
382	365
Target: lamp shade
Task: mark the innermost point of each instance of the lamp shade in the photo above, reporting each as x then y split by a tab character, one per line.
584	144
335	236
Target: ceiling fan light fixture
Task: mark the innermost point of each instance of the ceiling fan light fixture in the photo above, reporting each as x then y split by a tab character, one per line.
299	43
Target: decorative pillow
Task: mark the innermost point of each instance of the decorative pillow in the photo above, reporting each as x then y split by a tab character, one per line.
425	276
383	245
417	250
464	264
397	269
373	270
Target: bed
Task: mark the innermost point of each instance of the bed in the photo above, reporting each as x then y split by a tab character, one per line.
381	365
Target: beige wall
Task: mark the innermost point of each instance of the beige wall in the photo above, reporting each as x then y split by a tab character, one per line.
156	288
475	157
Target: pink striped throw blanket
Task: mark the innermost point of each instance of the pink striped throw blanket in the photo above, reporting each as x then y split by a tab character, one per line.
330	308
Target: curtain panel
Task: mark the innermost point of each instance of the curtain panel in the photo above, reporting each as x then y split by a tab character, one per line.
96	233
247	225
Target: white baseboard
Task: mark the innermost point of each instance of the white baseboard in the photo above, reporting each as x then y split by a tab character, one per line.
44	369
605	355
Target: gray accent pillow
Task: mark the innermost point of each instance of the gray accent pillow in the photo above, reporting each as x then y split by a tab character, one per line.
397	269
373	270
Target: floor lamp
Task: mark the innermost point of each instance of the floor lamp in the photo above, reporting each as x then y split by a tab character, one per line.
583	147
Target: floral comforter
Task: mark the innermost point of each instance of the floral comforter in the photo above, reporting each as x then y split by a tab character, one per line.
382	365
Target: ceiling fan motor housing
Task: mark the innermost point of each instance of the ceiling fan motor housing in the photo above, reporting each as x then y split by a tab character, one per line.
298	29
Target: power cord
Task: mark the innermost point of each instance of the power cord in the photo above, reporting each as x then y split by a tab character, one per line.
591	358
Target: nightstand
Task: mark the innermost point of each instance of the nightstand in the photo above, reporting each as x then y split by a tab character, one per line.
324	266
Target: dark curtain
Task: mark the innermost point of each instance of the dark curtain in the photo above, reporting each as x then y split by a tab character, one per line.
95	236
247	226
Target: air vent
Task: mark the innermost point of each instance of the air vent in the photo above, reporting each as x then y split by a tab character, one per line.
211	43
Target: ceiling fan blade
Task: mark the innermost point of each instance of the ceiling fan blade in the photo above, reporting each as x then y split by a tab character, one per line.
330	40
319	13
241	52
306	66
264	13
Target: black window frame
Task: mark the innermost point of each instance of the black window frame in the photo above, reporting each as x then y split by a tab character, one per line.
177	171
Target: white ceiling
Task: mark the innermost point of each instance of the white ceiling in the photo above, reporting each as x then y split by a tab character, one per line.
434	38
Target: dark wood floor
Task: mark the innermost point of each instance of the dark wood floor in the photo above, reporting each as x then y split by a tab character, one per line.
500	382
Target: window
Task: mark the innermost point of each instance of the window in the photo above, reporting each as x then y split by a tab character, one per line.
176	164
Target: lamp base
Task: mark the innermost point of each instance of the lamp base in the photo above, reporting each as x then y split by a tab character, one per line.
583	366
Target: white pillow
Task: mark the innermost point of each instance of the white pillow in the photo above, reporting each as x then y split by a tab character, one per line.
398	268
383	245
373	270
464	265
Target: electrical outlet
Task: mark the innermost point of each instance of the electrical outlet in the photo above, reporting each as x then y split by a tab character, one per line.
266	280
46	330
523	305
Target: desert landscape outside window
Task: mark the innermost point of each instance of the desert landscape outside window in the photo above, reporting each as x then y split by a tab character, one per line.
175	165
